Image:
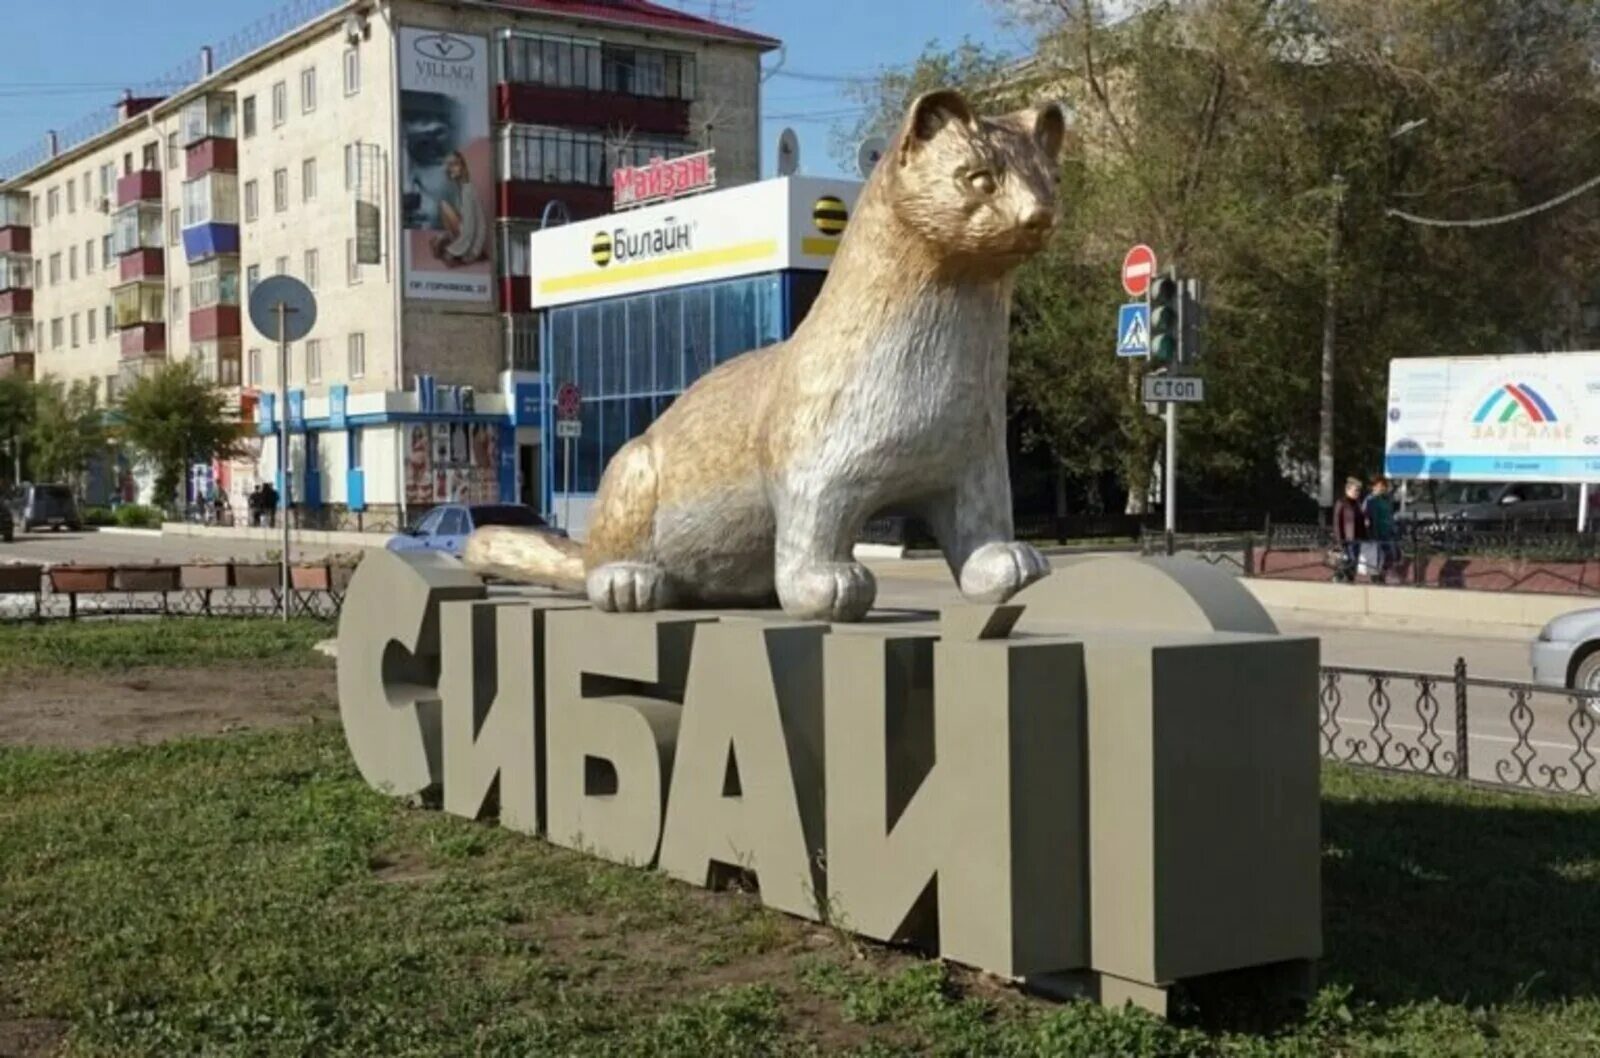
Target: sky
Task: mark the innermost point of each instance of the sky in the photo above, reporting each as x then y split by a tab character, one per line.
68	59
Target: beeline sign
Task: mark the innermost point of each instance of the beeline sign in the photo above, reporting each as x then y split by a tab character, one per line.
662	179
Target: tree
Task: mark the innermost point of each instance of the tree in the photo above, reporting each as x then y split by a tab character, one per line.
68	430
173	418
16	416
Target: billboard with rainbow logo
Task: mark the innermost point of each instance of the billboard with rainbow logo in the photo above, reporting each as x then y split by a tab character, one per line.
1530	417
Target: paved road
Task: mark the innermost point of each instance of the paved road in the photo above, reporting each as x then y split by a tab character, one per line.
112	547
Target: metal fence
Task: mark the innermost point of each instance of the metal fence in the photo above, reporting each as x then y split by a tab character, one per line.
1494	732
192	602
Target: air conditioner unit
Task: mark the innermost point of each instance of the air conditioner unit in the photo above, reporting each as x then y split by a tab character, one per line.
104	205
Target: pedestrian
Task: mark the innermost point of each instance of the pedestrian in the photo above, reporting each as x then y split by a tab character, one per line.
1349	529
1382	531
253	502
269	503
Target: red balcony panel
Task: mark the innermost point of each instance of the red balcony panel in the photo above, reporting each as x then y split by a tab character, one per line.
210	155
16	364
215	321
142	186
142	264
143	339
16	240
525	200
18	302
538	104
516	293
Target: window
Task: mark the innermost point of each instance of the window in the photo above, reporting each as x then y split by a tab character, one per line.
88	189
252	201
280	189
562	156
150	156
352	267
107	250
207	116
281	267
308	89
522	341
108	179
16	272
280	103
352	71
247	116
74	329
110	389
252	278
72	262
109	321
88	256
89	319
254	367
39	217
212	199
313	360
38	273
172	150
175	222
137	227
214	282
127	162
308	180
55	333
72	196
349	166
177	306
228	364
52	202
356	347
55	268
311	269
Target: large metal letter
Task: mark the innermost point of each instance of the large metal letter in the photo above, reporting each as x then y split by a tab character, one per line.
747	779
615	687
389	665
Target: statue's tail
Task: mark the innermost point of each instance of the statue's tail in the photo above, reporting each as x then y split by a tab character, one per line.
527	556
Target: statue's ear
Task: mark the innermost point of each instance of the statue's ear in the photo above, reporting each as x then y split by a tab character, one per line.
931	112
1050	128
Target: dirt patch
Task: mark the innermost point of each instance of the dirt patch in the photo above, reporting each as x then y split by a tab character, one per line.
30	1037
142	706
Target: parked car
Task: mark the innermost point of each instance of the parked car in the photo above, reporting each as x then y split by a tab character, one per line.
1493	504
446	527
1567	652
36	506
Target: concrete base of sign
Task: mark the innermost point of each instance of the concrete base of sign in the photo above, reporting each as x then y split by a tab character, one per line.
1109	806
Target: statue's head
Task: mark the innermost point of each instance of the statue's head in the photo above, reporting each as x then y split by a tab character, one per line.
977	186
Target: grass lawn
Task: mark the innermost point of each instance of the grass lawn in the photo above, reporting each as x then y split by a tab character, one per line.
187	641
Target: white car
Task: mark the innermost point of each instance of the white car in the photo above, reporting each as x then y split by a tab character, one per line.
1567	652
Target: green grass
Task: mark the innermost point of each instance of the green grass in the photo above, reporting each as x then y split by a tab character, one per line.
250	896
91	645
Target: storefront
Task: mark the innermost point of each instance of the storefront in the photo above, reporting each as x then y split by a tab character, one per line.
636	306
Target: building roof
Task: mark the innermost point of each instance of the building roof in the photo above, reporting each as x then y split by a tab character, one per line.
647	15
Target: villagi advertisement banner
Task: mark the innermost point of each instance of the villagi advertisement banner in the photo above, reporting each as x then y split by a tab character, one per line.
1530	417
446	183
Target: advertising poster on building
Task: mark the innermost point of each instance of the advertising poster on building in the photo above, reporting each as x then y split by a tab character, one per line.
452	463
446	183
1531	417
419	479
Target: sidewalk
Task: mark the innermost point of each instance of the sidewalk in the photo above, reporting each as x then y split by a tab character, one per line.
1456	611
316	537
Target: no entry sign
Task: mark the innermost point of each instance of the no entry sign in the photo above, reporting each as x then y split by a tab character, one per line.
1137	269
568	401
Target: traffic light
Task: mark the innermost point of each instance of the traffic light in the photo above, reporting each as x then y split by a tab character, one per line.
1192	323
1165	293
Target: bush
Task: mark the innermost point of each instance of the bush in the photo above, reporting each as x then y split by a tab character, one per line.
138	516
99	516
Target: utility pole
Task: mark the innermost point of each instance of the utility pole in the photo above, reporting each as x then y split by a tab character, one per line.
1330	334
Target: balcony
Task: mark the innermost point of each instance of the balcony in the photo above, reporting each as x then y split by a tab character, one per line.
526	199
16	240
16	234
142	186
209	156
16	303
16	336
137	227
131	368
216	321
16	364
515	293
142	264
138	304
144	341
218	361
550	105
552	80
210	240
16	272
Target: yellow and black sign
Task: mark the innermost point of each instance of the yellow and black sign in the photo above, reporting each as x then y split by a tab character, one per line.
600	248
830	215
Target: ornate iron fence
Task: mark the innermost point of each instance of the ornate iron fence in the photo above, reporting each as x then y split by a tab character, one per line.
191	602
1456	726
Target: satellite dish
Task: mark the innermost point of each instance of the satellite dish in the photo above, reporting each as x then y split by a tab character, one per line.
788	153
868	153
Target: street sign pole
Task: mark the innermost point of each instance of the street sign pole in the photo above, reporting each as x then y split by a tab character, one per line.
282	310
566	483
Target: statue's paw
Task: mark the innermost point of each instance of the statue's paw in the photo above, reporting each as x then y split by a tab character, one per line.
627	587
827	591
996	572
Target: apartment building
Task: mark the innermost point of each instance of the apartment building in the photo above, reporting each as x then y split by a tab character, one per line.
396	156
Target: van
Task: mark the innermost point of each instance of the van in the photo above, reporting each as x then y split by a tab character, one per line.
38	506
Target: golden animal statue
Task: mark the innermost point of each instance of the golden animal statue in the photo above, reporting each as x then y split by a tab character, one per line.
756	482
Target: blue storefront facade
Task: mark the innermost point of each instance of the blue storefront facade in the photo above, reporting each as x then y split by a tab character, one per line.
636	306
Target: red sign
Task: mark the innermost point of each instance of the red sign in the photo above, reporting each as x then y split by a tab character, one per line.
569	401
1138	268
662	179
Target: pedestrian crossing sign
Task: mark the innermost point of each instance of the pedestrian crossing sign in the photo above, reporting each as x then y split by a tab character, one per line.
1133	329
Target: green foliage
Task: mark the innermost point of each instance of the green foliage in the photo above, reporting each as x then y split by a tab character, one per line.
98	516
16	419
138	516
60	646
174	417
68	431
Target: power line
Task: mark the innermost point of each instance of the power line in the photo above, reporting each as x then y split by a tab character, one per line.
1504	218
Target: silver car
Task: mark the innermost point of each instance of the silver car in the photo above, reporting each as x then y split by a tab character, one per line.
1567	652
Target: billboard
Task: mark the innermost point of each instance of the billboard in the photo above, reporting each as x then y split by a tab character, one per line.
446	182
790	222
1531	417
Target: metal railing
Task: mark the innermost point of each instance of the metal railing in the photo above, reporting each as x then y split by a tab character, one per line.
1488	731
188	602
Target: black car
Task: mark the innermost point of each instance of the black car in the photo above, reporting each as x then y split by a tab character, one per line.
37	506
